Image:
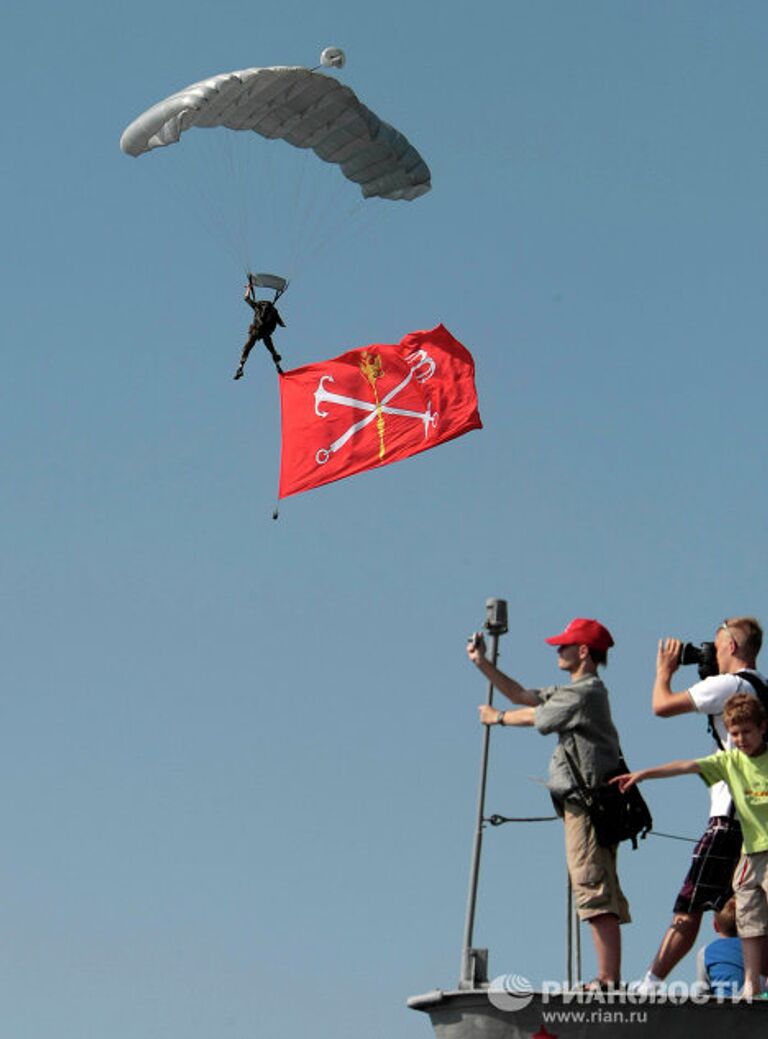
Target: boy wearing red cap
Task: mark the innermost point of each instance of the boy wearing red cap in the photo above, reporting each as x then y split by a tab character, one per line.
580	714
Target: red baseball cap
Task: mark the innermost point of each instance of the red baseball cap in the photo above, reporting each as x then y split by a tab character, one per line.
583	632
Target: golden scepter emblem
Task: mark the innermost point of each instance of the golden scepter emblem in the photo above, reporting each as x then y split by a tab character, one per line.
370	366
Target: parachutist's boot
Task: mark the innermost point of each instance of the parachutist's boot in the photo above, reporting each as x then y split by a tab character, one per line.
239	373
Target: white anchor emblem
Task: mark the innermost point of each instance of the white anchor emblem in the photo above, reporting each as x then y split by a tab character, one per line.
421	366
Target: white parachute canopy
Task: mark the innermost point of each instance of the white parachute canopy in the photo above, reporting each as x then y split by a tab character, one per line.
306	108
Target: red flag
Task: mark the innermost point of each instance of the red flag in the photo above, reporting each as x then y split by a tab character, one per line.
374	405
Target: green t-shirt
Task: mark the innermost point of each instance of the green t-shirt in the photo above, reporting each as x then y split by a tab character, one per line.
747	779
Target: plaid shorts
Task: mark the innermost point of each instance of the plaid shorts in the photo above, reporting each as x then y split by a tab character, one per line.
715	857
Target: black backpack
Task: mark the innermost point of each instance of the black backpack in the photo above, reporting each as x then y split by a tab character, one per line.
616	817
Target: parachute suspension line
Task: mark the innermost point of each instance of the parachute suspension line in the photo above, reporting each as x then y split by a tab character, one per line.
310	207
298	208
264	180
189	192
198	178
323	209
238	173
327	219
278	237
320	221
334	230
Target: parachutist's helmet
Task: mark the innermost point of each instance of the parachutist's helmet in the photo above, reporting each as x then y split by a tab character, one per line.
333	57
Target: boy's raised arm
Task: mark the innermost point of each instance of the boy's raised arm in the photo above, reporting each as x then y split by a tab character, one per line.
672	768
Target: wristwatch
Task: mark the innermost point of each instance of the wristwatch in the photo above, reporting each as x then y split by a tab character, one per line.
500	717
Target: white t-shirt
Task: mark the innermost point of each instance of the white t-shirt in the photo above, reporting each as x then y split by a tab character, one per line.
709	697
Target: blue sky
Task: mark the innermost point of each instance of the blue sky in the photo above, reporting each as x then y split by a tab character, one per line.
240	757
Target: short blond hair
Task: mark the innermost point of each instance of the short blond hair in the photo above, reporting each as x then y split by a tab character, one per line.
751	635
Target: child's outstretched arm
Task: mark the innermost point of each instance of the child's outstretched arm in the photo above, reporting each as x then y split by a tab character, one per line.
672	768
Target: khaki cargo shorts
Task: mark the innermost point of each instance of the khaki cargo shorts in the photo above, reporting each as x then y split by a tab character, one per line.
592	869
750	883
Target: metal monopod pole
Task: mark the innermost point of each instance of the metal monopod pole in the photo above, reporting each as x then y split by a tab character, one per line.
474	962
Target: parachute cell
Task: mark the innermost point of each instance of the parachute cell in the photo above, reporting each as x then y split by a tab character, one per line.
303	107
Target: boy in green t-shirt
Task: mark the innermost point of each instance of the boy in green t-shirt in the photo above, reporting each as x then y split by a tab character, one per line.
745	770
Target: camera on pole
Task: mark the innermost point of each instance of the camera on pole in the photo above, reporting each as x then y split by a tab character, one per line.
496	617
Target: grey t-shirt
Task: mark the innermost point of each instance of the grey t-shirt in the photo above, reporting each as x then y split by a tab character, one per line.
581	716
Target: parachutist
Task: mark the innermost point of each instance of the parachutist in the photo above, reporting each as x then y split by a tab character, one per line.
265	321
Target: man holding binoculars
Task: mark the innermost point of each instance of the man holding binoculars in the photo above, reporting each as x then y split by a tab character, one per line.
726	666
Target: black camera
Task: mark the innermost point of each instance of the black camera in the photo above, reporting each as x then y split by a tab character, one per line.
496	616
704	656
